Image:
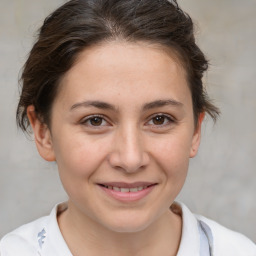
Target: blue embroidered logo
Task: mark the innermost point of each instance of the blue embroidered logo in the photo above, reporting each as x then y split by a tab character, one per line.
41	236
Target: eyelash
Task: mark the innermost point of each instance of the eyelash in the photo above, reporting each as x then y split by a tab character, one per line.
167	121
90	118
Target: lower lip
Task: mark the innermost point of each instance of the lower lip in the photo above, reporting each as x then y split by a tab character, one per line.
129	196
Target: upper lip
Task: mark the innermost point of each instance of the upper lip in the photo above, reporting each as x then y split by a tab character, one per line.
128	185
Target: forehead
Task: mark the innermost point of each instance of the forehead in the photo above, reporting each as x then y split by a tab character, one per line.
119	68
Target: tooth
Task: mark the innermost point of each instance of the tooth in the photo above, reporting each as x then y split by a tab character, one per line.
133	189
140	188
145	187
124	190
116	189
110	187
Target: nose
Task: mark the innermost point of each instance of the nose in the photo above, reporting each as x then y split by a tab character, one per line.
129	153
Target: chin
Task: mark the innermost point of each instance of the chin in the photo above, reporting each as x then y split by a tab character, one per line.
129	224
129	228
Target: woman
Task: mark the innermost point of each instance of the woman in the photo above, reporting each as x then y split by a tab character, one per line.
113	92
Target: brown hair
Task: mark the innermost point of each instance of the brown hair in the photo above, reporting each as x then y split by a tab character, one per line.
81	23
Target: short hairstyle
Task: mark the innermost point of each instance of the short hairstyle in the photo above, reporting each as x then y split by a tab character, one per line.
79	24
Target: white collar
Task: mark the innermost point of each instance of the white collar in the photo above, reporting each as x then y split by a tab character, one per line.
189	245
190	238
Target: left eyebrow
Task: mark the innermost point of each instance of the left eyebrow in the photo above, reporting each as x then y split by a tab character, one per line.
96	104
161	103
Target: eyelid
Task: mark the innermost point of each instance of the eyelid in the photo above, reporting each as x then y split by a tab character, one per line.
170	118
88	118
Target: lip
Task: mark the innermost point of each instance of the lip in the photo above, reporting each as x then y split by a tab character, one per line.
147	187
127	185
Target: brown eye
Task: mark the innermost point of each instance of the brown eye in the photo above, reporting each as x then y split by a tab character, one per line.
159	120
96	121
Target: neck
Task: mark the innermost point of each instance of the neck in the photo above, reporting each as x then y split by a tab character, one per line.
84	236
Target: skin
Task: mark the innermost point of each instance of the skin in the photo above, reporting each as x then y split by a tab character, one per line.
135	138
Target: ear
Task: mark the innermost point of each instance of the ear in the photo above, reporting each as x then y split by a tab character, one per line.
42	135
197	136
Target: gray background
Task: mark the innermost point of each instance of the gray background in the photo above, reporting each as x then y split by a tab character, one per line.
222	180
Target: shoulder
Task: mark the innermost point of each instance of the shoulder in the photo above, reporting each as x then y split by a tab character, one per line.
228	242
24	240
41	237
201	235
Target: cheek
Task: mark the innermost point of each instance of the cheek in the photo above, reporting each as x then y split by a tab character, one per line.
172	154
77	161
175	162
77	158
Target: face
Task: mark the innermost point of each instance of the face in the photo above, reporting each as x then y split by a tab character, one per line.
122	132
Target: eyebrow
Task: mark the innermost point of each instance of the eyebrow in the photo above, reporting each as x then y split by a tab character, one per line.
96	104
147	106
161	103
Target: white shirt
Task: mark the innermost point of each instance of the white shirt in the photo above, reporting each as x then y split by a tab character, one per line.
200	237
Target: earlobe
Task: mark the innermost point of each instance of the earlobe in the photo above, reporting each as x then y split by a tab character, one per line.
197	136
42	135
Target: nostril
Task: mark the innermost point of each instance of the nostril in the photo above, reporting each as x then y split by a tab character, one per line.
128	156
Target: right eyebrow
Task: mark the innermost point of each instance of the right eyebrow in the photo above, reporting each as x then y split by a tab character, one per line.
161	103
96	104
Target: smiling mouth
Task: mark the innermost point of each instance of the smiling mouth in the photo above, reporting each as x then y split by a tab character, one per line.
126	189
127	192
